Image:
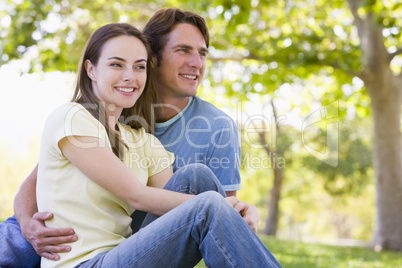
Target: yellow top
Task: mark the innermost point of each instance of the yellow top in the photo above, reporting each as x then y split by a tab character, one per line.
100	219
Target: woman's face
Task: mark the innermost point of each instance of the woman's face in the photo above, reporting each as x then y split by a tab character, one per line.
119	77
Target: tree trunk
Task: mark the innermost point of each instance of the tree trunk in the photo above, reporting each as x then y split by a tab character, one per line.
271	225
387	164
384	90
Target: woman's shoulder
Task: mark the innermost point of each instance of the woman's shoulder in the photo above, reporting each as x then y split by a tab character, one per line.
130	130
61	111
72	114
137	135
68	108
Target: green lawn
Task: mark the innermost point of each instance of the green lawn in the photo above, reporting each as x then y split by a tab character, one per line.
300	255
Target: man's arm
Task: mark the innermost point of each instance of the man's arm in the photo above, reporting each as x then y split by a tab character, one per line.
249	212
44	240
231	193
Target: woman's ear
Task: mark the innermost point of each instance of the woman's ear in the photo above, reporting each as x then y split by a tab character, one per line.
90	68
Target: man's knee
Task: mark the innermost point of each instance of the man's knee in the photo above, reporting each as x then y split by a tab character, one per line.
210	199
195	167
200	172
200	177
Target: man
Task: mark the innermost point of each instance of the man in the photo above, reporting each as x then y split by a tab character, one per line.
194	130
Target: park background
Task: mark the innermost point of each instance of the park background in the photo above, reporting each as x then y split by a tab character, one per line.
314	87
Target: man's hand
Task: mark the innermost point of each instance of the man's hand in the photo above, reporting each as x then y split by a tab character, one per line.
249	213
46	241
232	200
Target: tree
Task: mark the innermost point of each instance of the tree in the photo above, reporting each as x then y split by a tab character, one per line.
383	87
273	143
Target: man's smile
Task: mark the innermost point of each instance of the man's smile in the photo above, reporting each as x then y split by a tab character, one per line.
192	77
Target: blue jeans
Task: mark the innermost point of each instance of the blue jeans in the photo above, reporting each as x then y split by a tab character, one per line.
191	179
205	226
15	251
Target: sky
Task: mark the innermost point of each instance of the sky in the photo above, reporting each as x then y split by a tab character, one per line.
27	100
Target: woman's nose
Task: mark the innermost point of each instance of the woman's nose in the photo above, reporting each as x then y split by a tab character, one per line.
128	75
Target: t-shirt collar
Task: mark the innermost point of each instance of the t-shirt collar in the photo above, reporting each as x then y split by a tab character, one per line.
176	117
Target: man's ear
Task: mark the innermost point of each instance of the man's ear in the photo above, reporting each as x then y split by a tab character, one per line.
90	68
154	62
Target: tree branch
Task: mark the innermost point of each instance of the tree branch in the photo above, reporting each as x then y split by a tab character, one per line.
263	141
375	55
396	53
354	5
237	57
275	116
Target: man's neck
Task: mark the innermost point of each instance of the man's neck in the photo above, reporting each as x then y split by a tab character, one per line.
168	108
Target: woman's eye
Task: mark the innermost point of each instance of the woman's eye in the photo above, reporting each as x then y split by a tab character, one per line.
141	67
115	64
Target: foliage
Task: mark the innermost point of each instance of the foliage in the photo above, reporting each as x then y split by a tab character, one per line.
15	167
350	175
51	34
309	208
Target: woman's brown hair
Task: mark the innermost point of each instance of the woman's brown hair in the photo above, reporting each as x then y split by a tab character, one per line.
137	116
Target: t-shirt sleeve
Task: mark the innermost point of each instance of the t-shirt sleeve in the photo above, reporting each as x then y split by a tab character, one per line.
224	155
159	158
70	120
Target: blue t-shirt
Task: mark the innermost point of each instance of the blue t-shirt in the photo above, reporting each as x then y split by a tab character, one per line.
201	133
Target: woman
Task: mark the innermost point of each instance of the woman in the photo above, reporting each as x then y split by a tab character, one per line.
95	171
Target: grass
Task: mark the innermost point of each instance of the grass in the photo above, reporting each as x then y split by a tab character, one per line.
303	255
296	254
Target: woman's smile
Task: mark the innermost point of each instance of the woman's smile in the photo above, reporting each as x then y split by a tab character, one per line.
125	89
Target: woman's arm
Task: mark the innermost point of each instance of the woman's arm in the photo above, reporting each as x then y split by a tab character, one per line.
103	167
160	179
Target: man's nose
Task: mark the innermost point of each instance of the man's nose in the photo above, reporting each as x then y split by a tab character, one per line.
195	61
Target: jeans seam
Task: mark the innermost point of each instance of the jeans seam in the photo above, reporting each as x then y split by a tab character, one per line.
224	252
187	190
160	242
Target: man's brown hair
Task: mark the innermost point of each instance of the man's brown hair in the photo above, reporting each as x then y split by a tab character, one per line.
162	23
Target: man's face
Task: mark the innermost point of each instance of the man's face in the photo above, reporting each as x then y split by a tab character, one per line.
183	63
